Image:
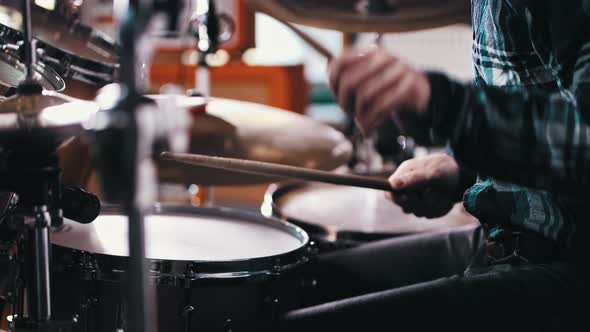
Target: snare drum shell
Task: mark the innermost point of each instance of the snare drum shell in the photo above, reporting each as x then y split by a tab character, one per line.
101	306
244	295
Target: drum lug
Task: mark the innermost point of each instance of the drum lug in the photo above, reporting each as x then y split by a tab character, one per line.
228	326
272	304
190	274
190	270
87	264
66	62
156	267
276	268
187	313
313	249
120	322
88	302
85	306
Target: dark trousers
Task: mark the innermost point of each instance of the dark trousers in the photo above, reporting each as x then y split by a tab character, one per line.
435	282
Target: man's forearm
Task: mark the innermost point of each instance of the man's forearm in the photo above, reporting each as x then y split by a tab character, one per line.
518	135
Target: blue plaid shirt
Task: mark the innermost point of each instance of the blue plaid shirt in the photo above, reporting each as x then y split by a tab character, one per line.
524	124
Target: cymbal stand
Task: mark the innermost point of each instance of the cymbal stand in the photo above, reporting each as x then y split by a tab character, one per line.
28	42
205	26
126	131
120	156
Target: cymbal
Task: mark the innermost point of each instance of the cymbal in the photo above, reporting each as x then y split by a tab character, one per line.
12	72
367	15
51	28
245	130
42	121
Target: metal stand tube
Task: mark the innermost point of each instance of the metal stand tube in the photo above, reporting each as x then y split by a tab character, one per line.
139	301
28	42
39	294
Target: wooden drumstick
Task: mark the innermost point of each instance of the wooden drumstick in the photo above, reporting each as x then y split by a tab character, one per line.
309	40
275	11
359	133
278	170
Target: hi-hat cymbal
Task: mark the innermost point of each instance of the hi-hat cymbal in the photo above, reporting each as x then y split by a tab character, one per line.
367	15
42	121
12	72
51	28
245	130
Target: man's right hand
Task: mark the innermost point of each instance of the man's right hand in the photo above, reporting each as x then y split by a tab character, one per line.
374	86
428	185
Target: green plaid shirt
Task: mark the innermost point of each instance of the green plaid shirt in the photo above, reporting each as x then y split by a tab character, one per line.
524	123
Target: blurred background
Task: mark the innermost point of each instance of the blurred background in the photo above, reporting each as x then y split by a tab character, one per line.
266	62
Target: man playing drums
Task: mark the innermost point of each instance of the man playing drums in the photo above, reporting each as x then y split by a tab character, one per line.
523	127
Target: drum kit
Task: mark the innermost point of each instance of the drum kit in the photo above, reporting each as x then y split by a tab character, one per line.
70	263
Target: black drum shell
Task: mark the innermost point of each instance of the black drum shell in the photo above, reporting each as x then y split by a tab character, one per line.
242	295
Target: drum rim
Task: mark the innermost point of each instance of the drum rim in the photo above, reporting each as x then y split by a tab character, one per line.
271	208
181	272
46	72
93	71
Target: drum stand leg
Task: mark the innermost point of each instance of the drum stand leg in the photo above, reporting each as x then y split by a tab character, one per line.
39	293
34	175
187	311
36	179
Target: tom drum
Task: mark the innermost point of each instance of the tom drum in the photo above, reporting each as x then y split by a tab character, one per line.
339	216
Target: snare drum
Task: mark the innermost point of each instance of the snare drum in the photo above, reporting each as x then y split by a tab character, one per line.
338	216
12	72
87	57
214	269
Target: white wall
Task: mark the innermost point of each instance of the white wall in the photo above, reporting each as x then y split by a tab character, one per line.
447	49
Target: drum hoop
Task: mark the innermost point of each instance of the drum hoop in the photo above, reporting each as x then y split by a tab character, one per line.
47	73
270	204
186	273
63	59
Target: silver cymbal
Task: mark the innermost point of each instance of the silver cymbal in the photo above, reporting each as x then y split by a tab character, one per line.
367	15
47	119
245	130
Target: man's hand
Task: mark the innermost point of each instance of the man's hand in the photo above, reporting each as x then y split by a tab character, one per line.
375	85
429	185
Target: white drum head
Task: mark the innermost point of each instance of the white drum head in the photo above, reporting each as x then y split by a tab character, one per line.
339	208
181	237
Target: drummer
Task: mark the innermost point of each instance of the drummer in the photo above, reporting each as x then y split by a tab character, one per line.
523	127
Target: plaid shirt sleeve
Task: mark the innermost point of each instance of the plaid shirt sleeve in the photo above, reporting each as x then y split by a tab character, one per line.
516	134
